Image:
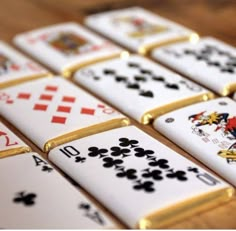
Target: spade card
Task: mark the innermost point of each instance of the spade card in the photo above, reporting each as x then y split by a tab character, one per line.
207	131
35	196
136	177
52	110
209	62
64	47
10	144
14	67
139	87
137	29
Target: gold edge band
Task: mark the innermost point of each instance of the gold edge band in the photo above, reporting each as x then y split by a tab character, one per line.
145	49
228	89
24	79
69	71
156	112
14	151
87	131
186	208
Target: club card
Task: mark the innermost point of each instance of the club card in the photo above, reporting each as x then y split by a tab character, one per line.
139	87
35	196
66	47
53	111
10	144
16	68
207	131
209	62
138	29
141	181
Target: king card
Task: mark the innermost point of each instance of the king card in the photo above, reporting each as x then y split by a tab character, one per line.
66	47
139	87
52	111
138	29
141	181
209	62
207	131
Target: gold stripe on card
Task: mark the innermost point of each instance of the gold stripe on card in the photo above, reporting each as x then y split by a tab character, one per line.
228	89
149	116
186	208
87	131
14	151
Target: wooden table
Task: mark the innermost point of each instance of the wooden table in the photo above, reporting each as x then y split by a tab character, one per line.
208	17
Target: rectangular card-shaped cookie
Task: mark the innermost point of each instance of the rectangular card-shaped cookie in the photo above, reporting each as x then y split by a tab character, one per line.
207	131
138	29
66	47
52	111
210	62
16	68
140	180
139	87
34	196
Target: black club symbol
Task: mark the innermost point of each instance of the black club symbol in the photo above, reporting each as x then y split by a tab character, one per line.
140	152
117	151
180	175
155	174
129	173
147	186
80	159
110	162
162	163
193	169
45	168
84	206
28	199
124	142
94	151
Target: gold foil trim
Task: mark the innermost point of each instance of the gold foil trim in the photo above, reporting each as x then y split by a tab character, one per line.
228	89
154	113
14	151
87	131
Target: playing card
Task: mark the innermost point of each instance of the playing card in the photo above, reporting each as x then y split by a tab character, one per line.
207	131
16	68
138	29
66	47
10	144
35	196
144	183
209	62
139	87
53	111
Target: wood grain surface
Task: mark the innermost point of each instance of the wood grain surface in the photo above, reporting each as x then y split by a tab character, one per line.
207	17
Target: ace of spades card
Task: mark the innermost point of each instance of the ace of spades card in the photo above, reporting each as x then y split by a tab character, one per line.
52	111
139	87
66	47
137	28
209	62
141	181
207	131
40	198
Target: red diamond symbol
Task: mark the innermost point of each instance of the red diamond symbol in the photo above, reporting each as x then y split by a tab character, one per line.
87	111
64	109
40	107
58	120
10	101
51	88
46	97
68	99
101	106
23	96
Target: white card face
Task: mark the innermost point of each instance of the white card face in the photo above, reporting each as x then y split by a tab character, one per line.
207	131
14	66
10	143
34	196
136	28
131	173
137	85
209	62
65	45
48	108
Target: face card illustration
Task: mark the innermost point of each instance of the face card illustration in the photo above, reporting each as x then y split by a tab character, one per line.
140	88
10	144
66	47
209	62
16	68
52	111
141	172
41	198
210	128
137	29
